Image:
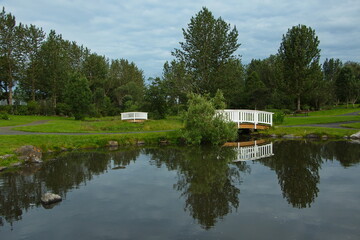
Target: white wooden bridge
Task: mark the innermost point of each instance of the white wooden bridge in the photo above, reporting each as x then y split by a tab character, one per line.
254	150
134	116
248	118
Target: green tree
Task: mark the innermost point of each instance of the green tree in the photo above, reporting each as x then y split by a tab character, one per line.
125	79
12	57
53	67
209	44
202	125
331	70
78	96
33	39
300	55
156	99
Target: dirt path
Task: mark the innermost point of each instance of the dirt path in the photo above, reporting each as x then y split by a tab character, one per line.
9	131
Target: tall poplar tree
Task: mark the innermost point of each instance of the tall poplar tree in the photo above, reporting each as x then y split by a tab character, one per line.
300	55
209	44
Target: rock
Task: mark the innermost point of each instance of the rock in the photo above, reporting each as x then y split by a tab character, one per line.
50	198
140	143
29	153
290	136
17	164
355	136
311	135
2	168
324	137
112	144
273	136
163	142
7	156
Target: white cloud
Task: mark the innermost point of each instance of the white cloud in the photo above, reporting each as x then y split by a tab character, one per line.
146	31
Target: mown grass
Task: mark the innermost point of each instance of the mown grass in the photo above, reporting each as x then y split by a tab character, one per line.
102	125
334	112
288	121
352	125
8	143
303	131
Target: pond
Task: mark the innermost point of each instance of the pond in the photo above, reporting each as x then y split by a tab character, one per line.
298	190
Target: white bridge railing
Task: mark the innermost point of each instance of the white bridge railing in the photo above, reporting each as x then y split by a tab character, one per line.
255	152
134	116
247	116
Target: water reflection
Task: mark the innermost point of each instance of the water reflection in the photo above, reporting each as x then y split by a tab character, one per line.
251	150
207	179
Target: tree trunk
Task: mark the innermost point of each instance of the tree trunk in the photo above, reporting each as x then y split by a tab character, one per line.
10	97
298	103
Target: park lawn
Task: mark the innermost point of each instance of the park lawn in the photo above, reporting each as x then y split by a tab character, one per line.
15	120
8	143
352	125
303	131
288	121
67	125
334	112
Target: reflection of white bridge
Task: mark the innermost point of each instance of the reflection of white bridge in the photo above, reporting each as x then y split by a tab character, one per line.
248	151
248	118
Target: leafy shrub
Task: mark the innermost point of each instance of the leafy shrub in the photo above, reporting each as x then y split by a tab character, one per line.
201	124
278	117
4	116
33	107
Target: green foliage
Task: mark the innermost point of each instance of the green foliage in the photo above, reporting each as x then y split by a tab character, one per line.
4	116
219	100
78	96
209	45
156	99
203	126
300	56
33	108
278	117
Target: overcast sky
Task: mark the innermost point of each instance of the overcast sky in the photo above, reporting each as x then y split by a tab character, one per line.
146	31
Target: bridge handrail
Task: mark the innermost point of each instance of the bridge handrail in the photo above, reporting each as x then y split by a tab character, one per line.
254	152
134	116
247	116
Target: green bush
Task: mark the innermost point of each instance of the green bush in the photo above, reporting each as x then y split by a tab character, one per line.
278	117
4	115
201	124
33	107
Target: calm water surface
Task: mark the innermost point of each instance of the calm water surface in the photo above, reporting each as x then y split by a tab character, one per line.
306	190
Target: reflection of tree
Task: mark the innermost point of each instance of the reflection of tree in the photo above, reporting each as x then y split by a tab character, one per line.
297	165
347	153
205	179
20	190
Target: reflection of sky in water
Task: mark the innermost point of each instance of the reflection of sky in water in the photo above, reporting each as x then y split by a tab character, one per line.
142	201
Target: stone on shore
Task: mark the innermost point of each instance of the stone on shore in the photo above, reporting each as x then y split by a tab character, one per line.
50	198
29	154
112	144
355	136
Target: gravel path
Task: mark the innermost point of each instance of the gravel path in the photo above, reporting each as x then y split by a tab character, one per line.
9	131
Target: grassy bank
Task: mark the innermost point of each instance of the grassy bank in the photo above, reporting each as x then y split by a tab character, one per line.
304	131
66	125
9	143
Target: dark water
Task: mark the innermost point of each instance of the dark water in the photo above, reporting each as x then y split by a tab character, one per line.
306	190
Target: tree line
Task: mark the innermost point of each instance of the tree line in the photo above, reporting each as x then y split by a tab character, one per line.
57	76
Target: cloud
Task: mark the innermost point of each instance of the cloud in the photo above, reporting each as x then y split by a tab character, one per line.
146	31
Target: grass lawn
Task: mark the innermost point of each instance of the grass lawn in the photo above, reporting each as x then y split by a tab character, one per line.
352	125
303	131
325	116
69	125
8	143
